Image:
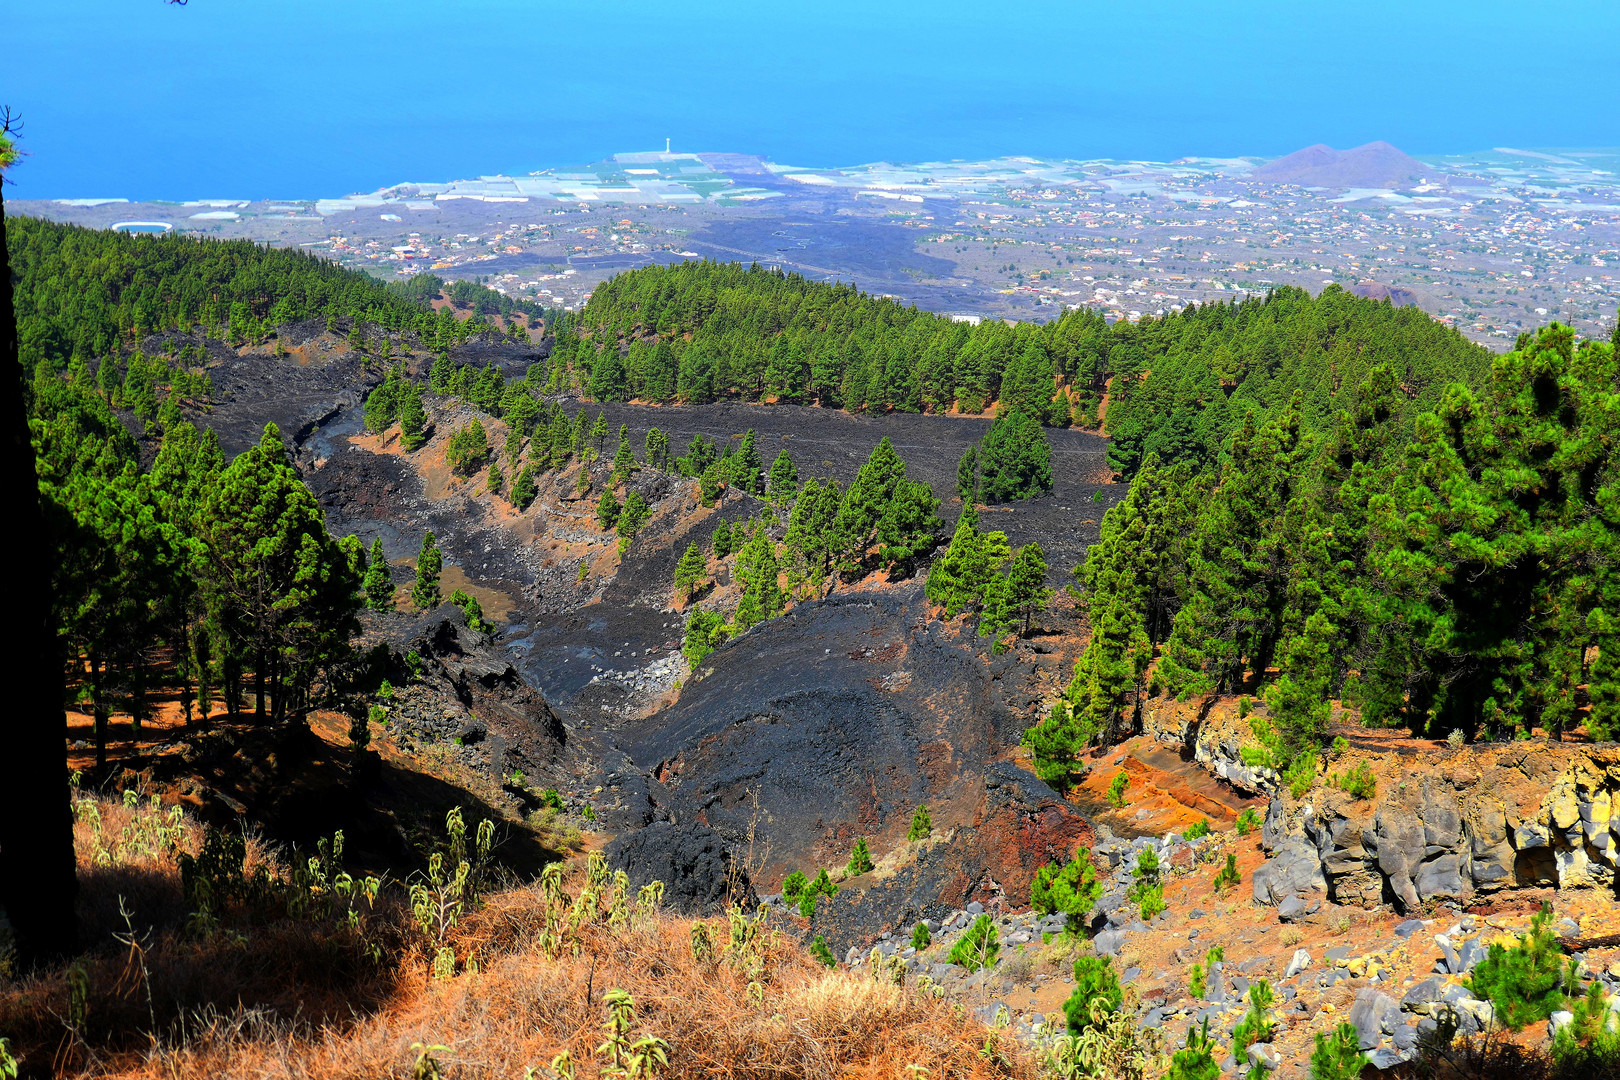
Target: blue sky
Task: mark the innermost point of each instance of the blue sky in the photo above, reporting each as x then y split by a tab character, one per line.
298	99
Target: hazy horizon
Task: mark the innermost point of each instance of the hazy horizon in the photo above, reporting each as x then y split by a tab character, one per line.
139	99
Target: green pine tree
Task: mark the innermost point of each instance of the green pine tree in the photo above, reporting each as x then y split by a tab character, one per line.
607	510
759	571
624	461
860	859
1197	1061
784	482
967	476
429	564
1097	994
524	488
689	572
1015	459
922	825
378	584
412	419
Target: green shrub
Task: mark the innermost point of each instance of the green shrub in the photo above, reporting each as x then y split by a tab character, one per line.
922	825
706	631
978	947
1096	994
474	611
821	951
860	859
1216	953
1248	821
1146	871
1197	986
1071	889
1587	1046
920	937
793	886
1197	1061
1150	901
1301	774
821	885
1338	1056
1340	747
1358	783
1197	830
1244	703
1227	876
1256	1025
1116	790
1529	982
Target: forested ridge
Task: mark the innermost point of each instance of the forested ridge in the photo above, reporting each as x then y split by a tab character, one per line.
1452	569
1176	386
82	294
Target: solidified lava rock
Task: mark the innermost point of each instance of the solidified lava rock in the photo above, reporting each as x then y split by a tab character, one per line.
695	865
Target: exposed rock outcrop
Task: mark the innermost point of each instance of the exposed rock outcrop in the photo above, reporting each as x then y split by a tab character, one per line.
1485	818
699	872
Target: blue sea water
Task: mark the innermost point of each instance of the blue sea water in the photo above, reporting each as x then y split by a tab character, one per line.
307	98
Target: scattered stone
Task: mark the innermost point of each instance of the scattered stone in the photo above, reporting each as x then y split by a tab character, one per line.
1109	942
1299	963
1373	1014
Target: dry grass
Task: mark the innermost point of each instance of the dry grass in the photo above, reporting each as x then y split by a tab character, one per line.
278	997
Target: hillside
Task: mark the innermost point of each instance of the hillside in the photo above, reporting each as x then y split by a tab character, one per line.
1332	663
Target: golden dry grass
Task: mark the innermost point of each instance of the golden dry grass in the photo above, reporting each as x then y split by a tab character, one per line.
296	998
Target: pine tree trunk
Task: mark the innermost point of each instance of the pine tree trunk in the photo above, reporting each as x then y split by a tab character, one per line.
258	687
38	875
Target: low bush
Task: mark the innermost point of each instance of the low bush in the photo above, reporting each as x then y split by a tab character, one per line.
1529	982
1116	789
977	948
1097	993
1072	889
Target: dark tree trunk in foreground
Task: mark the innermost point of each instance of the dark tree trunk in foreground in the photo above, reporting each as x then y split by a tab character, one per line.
37	874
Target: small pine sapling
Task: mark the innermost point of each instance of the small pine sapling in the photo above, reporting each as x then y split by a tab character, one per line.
429	564
860	859
793	886
1197	1061
1072	889
1197	830
1227	877
1197	987
1529	982
689	572
1116	790
922	825
1248	821
920	937
1256	1025
977	948
823	952
1097	993
1338	1055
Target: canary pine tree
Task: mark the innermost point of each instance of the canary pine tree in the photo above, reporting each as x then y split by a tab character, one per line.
378	585
429	564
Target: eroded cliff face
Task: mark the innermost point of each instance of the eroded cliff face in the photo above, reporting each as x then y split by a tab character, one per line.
1446	823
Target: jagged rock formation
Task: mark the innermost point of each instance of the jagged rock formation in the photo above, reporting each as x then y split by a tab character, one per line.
465	687
1446	823
700	874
